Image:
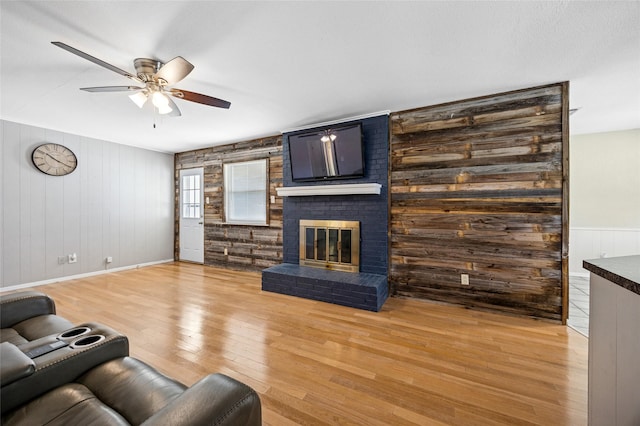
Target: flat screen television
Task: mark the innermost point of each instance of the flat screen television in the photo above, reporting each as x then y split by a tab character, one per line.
336	153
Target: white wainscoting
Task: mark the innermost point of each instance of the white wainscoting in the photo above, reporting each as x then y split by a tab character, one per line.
593	243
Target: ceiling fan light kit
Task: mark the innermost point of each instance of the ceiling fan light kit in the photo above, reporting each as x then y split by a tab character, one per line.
139	99
159	100
155	76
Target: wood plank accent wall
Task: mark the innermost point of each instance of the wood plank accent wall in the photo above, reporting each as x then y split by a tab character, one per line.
249	247
477	188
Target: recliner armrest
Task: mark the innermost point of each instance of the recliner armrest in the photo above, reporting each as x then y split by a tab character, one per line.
63	365
17	307
215	400
15	364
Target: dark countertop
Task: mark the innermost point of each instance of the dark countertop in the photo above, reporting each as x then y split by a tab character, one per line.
623	271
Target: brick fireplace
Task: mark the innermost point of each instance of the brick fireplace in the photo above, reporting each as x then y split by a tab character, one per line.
366	286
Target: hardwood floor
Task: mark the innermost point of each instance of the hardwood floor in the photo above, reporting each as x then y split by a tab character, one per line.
315	363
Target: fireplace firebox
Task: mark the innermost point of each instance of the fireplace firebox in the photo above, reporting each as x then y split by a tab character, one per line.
330	244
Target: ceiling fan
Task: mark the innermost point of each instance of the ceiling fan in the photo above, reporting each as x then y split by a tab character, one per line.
155	78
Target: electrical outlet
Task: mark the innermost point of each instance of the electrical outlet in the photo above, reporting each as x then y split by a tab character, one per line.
226	252
464	279
273	199
73	258
109	259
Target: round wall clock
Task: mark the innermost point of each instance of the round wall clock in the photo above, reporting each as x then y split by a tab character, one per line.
54	159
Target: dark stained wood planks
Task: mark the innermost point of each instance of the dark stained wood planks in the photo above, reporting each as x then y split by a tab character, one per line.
479	187
248	247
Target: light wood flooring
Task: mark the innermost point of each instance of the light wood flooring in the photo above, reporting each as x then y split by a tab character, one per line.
315	363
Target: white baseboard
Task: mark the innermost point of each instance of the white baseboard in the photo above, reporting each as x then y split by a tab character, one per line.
78	276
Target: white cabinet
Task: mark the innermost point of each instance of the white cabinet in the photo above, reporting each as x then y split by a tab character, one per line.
614	353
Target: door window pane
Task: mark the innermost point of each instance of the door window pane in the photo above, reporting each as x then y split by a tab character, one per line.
191	197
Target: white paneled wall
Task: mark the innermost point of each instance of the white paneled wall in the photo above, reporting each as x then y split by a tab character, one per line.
118	203
593	243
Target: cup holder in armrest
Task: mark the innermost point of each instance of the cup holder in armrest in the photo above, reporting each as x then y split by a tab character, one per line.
74	332
86	341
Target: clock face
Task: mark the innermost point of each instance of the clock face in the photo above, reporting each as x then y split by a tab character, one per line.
54	159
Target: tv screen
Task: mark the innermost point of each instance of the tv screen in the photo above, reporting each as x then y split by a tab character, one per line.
335	153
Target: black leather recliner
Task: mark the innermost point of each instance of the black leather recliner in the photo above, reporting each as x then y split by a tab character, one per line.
27	316
88	378
126	391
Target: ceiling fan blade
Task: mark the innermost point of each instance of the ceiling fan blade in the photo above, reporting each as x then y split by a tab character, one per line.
199	98
174	70
112	89
95	60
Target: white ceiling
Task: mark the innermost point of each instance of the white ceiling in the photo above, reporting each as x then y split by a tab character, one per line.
289	64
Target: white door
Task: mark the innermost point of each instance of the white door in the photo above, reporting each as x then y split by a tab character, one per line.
191	215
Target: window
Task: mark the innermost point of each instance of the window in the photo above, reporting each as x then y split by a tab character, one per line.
245	192
191	197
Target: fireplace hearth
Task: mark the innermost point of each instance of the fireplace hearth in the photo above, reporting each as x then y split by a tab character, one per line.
330	244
